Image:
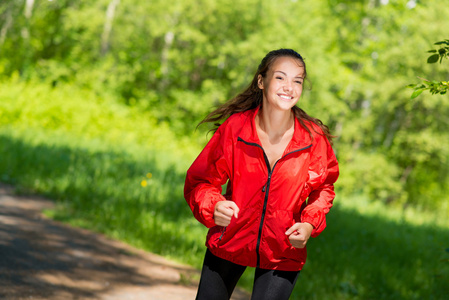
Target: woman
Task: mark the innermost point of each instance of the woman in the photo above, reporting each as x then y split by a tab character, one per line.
274	157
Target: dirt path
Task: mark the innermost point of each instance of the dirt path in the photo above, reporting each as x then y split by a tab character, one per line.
44	259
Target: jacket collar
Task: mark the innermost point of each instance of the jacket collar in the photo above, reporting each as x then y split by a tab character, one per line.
301	138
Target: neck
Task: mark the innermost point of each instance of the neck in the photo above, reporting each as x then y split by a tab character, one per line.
275	123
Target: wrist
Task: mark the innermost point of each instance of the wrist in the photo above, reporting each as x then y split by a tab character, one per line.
310	227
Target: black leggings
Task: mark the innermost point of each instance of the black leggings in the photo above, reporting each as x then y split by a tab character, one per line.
219	278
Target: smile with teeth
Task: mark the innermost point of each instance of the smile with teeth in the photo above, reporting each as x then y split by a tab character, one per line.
286	97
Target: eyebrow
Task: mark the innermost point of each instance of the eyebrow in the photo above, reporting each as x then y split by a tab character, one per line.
297	76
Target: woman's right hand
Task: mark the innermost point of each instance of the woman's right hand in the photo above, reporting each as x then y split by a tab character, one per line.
224	211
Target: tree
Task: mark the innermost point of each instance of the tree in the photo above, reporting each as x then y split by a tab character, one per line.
179	59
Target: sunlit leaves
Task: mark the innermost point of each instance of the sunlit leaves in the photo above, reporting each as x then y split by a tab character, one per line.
440	53
177	60
418	90
434	87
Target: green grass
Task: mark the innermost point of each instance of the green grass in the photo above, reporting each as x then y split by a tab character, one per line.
102	189
372	255
94	156
372	251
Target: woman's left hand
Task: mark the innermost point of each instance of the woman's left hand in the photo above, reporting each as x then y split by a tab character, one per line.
299	234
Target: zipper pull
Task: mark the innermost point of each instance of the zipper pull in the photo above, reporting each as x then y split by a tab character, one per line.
222	233
266	184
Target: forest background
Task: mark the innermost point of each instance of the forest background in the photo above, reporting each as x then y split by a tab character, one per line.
99	103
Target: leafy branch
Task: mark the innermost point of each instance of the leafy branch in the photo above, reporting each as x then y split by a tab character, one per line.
434	87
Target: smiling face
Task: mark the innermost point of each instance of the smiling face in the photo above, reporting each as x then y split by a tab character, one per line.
283	83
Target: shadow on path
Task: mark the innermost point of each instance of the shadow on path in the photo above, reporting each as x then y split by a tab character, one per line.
43	259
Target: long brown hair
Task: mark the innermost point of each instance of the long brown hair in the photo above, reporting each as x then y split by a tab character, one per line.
252	96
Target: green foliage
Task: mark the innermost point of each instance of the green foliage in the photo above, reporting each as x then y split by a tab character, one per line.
175	62
373	175
434	87
440	53
108	165
80	113
80	103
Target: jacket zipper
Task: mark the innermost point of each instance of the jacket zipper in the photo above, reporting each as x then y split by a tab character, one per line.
266	190
223	230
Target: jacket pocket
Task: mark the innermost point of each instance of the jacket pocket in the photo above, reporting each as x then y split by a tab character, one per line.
276	225
215	235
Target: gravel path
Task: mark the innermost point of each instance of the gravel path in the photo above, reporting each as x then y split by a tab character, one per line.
44	259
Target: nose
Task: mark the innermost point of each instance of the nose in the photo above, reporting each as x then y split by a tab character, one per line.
288	86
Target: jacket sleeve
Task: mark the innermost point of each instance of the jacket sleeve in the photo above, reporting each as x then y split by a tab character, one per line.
323	172
210	170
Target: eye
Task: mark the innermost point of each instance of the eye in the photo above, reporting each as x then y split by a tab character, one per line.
279	77
298	82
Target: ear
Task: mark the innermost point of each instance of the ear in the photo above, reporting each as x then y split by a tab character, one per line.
260	81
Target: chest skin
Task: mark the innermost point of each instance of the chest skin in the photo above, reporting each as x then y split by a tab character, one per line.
274	148
274	143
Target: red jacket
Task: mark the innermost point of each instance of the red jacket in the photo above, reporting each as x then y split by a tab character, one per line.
270	201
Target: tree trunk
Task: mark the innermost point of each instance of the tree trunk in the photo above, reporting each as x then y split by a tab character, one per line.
28	13
168	41
5	27
108	25
29	8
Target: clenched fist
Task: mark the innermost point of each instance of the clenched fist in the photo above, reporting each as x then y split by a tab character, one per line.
299	234
224	211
